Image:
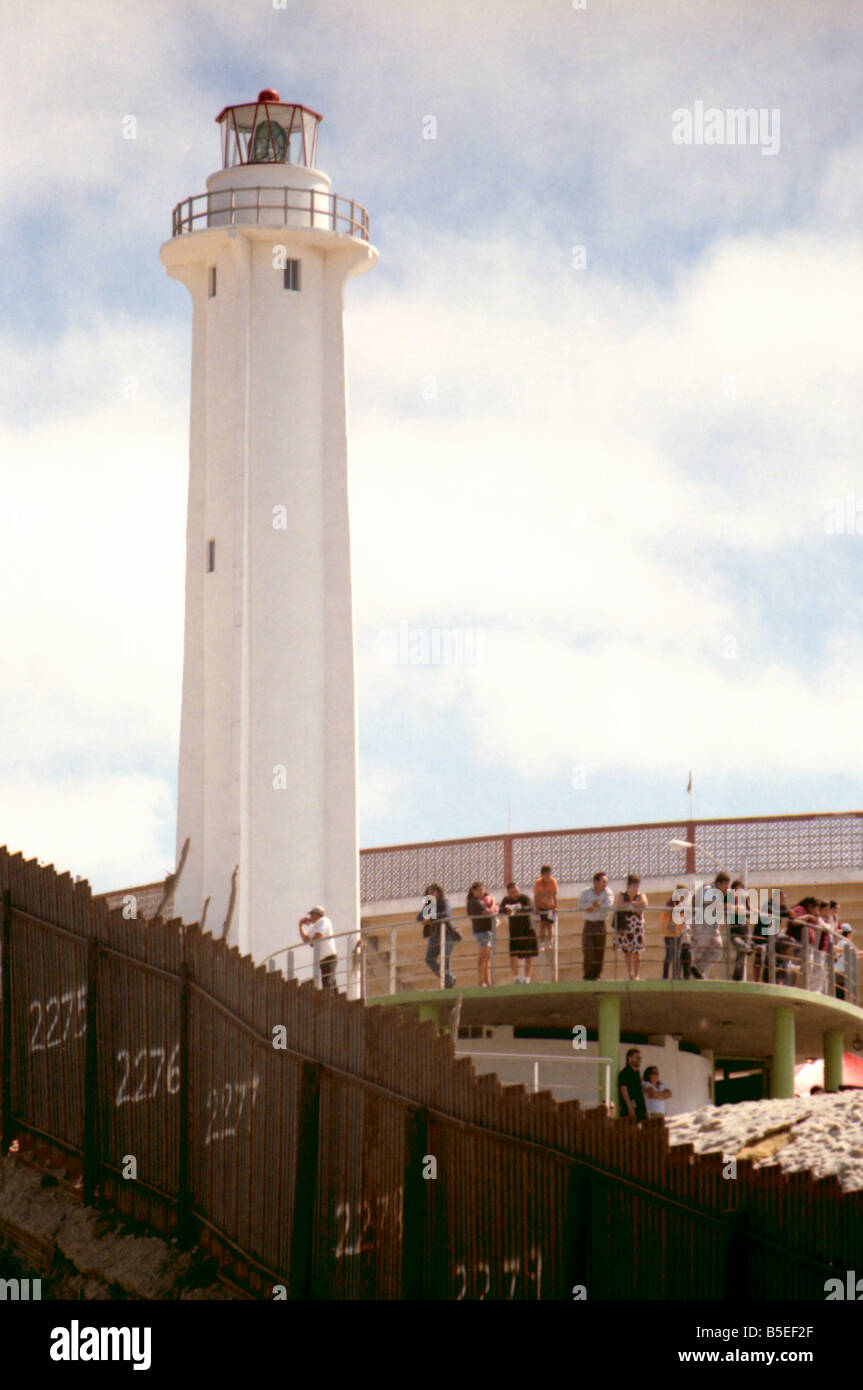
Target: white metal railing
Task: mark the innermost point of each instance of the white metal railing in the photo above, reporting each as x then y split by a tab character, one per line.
740	957
287	207
734	954
348	973
603	1065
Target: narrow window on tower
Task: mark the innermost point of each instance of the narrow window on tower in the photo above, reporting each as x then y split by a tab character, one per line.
211	556
211	282
292	275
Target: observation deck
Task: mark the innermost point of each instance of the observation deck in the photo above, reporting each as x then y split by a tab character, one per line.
770	1003
261	206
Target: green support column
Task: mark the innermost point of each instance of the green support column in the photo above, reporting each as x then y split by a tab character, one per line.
834	1046
783	1054
609	1044
443	1015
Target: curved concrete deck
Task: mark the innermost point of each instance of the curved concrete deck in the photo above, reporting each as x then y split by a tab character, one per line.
775	1022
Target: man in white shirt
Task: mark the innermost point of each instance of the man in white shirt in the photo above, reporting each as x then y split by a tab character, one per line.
320	938
595	903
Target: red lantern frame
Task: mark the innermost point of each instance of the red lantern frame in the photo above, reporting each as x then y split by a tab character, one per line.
241	124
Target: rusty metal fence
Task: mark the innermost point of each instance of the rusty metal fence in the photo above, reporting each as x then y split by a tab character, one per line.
328	1150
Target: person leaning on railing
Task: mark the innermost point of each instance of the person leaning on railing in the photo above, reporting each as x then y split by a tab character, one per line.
629	924
481	908
675	935
840	942
434	915
741	928
523	945
844	961
763	928
825	948
545	898
837	945
707	946
803	928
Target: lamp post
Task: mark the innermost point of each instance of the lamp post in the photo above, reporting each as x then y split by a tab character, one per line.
690	844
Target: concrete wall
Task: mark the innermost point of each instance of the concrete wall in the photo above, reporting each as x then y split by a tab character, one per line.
565	1072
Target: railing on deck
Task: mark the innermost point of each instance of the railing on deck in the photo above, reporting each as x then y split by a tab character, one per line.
288	207
392	958
599	1073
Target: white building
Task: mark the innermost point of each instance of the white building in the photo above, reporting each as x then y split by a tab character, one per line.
267	775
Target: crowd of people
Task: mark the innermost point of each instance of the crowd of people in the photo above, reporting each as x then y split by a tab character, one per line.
526	940
811	932
693	937
809	937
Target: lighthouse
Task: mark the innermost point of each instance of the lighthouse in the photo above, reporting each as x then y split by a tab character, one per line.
268	746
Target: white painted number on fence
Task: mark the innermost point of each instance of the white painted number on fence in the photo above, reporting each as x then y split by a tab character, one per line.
474	1282
372	1216
54	1019
226	1110
143	1073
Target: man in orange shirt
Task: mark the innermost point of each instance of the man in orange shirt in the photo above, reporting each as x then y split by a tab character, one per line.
545	897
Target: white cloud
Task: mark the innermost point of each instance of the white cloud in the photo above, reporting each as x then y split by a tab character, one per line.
581	485
634	705
102	828
91	537
585	431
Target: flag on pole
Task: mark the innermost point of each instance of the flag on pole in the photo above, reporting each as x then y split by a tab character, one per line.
689	783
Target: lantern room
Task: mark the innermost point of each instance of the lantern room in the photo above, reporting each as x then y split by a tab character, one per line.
268	131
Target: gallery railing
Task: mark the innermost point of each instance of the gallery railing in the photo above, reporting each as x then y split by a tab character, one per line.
271	207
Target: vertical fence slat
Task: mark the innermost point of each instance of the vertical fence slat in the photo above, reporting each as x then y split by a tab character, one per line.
305	1182
6	1041
184	1191
414	1204
91	1079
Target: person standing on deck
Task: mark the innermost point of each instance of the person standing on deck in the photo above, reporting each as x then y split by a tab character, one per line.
523	946
320	938
595	903
545	897
629	1092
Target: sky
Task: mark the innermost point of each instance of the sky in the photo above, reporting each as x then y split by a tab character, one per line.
605	399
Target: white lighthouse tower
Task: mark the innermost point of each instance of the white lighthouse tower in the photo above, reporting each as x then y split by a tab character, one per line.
267	777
